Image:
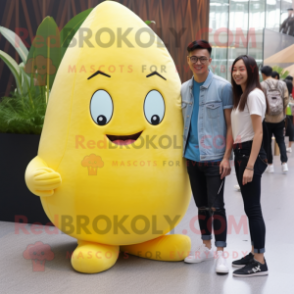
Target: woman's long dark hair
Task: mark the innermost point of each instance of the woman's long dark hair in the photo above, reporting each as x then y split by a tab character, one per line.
240	98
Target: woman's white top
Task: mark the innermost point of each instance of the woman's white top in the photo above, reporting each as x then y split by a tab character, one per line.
241	121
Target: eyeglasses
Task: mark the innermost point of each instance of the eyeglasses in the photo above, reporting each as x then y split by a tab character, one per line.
194	59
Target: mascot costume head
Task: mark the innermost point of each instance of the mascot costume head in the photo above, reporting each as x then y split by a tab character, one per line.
109	169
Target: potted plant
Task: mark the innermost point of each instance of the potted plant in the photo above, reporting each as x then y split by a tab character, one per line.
22	114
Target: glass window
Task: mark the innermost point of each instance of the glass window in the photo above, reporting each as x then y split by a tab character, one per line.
218	36
256	25
273	14
238	24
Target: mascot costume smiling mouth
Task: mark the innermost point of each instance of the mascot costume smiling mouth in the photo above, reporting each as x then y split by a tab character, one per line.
109	169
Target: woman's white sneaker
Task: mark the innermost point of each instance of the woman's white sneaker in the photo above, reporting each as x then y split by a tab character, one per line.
202	253
221	264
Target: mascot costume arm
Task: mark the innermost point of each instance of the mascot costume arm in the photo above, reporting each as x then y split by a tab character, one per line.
40	179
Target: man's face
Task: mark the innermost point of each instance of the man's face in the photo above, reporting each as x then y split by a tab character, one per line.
198	61
290	12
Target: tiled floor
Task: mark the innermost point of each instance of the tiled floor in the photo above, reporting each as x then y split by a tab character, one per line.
136	275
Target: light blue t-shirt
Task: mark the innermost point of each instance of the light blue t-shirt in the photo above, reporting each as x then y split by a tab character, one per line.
192	150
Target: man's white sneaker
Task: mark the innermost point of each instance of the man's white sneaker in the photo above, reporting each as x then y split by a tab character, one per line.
237	187
289	149
285	168
201	254
221	264
270	169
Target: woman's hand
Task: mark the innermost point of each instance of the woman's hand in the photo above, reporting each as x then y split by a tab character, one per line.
247	176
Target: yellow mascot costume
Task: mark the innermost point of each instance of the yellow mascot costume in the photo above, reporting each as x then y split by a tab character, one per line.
109	169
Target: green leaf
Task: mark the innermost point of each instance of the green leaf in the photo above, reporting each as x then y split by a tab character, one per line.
45	59
26	81
22	114
281	71
150	22
31	53
70	29
14	68
16	42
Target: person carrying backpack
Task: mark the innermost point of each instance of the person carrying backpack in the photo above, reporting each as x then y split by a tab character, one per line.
278	99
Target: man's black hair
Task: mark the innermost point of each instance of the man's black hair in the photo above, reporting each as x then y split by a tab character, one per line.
275	74
290	78
199	44
267	71
290	9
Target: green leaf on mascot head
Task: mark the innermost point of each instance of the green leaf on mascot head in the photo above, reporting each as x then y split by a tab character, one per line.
71	28
45	53
148	22
16	42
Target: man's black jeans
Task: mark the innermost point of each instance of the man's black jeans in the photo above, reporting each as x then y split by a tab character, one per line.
278	130
208	192
251	192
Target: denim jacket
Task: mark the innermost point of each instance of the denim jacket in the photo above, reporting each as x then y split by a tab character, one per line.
215	96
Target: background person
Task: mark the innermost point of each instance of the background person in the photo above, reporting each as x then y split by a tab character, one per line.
287	27
247	116
289	115
278	98
290	78
275	75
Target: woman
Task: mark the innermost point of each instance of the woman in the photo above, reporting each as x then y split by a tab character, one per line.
250	106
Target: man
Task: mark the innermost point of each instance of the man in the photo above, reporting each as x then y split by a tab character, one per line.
278	98
287	26
207	101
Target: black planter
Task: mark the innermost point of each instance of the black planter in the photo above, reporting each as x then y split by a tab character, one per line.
17	203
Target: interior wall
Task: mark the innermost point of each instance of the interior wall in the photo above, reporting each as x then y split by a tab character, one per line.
186	18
